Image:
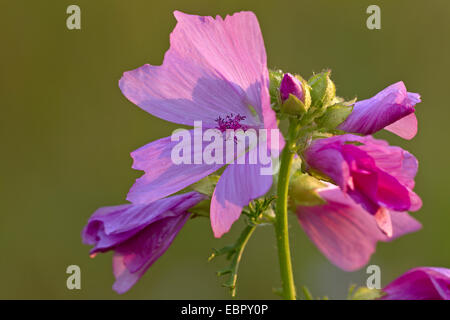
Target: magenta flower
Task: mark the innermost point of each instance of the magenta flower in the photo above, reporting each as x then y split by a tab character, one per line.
391	109
344	232
138	234
377	176
291	85
422	283
215	72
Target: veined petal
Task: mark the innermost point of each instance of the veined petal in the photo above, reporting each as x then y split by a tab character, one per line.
325	156
394	160
139	234
416	202
132	258
214	67
402	223
405	128
385	108
344	232
422	283
238	185
162	176
372	172
110	226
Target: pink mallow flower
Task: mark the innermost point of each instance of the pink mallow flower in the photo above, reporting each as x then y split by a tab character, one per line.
346	233
215	71
422	283
137	233
375	175
391	109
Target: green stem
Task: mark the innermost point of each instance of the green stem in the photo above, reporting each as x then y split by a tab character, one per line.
281	223
245	236
236	254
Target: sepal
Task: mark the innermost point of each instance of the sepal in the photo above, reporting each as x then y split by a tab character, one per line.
334	116
323	90
303	191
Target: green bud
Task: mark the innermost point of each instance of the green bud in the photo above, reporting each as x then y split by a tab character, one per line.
275	77
303	191
323	90
334	116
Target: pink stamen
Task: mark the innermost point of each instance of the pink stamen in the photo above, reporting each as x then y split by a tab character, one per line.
231	122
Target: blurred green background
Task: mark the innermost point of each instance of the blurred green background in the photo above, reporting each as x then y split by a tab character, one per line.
67	131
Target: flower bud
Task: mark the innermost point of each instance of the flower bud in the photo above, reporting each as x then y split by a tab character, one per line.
294	94
275	77
303	191
291	85
323	90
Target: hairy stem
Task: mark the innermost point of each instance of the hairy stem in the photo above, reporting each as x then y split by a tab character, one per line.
242	242
281	223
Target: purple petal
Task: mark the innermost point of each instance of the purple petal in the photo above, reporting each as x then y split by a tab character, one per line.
402	223
405	128
214	67
344	232
326	156
372	172
139	234
423	283
110	226
162	176
238	185
132	258
397	162
416	202
384	109
377	186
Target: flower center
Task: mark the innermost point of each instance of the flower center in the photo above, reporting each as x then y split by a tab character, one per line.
231	121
